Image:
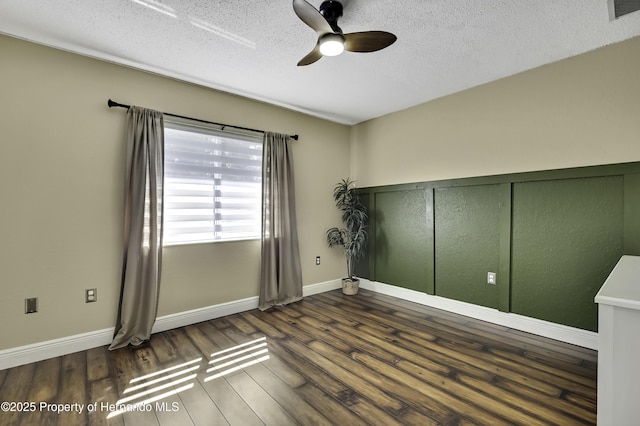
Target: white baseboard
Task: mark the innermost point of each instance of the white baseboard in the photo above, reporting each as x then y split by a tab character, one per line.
14	357
181	319
312	289
576	336
194	316
57	347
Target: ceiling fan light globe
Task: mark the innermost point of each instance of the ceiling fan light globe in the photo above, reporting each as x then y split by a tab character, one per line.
332	45
331	48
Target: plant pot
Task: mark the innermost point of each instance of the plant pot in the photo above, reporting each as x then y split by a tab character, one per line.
349	286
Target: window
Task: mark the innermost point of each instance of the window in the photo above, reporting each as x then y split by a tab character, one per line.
212	186
623	7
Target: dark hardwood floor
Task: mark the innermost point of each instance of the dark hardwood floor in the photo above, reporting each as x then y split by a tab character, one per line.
331	359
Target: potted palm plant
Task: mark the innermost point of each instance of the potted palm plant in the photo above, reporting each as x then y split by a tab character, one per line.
353	236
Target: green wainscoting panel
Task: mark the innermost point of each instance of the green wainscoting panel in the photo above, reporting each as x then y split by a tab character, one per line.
504	270
632	214
567	236
553	237
430	241
402	233
364	267
467	243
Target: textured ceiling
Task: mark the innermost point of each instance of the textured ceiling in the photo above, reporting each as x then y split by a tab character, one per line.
251	47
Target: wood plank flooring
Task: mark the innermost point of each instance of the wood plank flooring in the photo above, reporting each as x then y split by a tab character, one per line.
330	359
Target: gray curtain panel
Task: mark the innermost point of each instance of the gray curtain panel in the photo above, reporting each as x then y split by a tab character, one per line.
280	272
142	258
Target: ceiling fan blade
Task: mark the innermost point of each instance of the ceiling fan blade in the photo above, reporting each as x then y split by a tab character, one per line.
311	16
311	57
368	41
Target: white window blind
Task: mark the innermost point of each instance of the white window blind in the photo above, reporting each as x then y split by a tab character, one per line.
213	184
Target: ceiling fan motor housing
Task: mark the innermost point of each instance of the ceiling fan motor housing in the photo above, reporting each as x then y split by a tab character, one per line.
332	10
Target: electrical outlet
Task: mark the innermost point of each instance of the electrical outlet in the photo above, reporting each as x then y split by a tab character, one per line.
491	278
317	260
90	295
31	305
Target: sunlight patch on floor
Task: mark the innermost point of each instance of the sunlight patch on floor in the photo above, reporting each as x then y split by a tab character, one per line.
182	377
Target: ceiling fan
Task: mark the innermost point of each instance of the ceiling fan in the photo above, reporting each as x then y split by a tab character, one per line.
331	40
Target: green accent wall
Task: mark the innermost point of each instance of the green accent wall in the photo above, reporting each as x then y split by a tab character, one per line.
552	237
567	237
401	236
364	266
467	232
631	214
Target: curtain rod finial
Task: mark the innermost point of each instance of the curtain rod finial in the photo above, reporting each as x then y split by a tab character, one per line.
116	104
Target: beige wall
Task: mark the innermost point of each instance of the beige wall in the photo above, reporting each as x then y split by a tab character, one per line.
61	182
61	169
577	112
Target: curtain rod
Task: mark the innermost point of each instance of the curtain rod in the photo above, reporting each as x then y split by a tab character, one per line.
119	105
